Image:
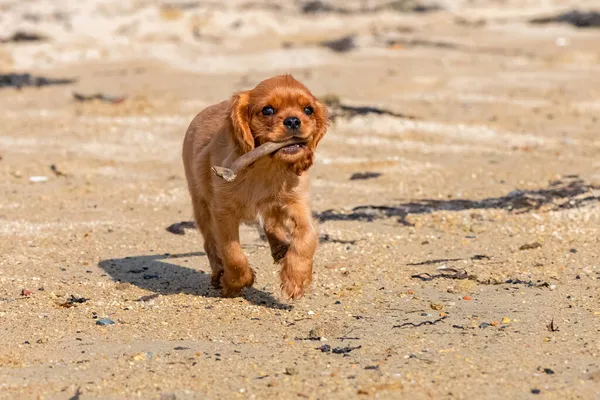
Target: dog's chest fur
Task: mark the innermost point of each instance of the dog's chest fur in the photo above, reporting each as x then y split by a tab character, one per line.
256	190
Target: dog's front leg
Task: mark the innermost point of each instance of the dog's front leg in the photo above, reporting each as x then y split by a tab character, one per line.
274	220
237	273
296	270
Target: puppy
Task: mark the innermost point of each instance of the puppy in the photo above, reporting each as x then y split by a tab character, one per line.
274	189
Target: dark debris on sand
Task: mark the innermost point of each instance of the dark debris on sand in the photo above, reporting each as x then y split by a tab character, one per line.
339	110
580	19
22	36
364	175
179	228
19	81
403	6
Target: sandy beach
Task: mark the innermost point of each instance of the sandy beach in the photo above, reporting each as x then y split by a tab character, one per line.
457	189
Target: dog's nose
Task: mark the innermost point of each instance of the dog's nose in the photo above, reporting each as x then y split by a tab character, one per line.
292	123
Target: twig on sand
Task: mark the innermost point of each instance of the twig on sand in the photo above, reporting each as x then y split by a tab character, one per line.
413	325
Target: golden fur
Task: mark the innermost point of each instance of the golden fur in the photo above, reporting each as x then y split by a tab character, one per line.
275	188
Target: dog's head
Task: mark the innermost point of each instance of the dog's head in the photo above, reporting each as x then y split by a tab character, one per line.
277	109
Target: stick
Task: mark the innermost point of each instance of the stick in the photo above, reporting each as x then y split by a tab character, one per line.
229	174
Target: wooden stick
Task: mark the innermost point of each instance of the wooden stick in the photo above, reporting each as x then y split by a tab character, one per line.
229	174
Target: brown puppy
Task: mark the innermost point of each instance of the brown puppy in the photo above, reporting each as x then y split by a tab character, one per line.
274	188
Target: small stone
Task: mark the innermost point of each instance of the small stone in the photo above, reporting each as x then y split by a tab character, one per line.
465	285
484	325
530	246
139	357
291	371
548	371
494	323
505	320
123	286
325	348
105	322
552	287
26	293
311	313
467	298
43	340
436	307
38	179
536	391
316	333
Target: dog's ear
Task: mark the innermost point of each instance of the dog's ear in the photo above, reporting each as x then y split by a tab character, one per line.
322	119
242	135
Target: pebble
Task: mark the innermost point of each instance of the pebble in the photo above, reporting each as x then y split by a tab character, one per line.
530	246
325	348
316	333
505	320
465	285
38	179
467	298
139	357
123	286
311	313
105	322
548	371
484	325
291	371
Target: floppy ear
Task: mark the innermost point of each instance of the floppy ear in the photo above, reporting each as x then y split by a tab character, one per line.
242	135
322	119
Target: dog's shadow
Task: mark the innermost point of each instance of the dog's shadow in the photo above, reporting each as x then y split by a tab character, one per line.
156	274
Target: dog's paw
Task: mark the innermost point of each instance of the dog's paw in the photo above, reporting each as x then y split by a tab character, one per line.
293	285
215	279
232	285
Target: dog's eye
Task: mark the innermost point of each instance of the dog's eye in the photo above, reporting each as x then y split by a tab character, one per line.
308	110
268	110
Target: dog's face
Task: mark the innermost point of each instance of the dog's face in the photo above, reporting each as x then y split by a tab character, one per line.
277	109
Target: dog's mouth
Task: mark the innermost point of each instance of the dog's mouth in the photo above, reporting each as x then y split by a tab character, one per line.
291	149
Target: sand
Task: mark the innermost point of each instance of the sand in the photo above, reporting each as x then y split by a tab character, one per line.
438	278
